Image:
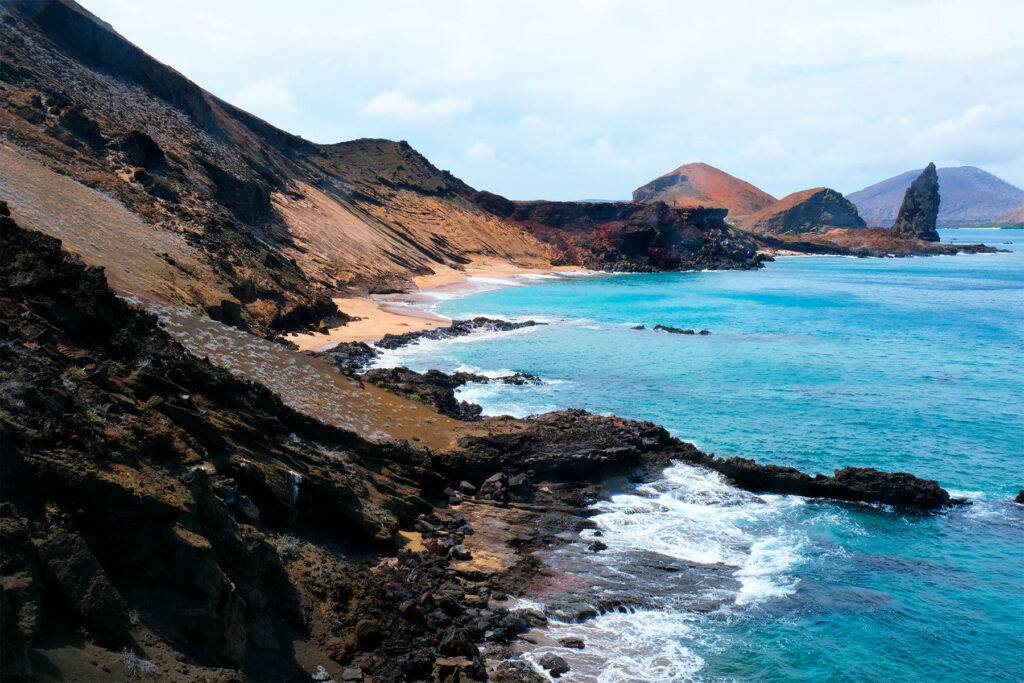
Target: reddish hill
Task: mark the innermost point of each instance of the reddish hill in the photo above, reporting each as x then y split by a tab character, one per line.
816	210
699	184
1013	217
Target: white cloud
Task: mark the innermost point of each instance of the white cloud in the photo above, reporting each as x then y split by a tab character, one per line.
398	105
268	98
479	151
836	94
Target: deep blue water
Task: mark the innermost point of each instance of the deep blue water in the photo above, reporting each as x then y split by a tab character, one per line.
900	364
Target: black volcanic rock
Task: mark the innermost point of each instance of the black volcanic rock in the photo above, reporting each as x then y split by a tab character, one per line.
855	484
458	328
817	210
637	237
920	208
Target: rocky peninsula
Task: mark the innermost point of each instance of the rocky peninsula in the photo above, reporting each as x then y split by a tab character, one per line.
159	512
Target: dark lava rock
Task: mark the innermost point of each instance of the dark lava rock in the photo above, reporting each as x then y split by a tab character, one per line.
638	236
433	387
1020	497
74	568
458	328
673	330
352	356
818	210
857	484
920	208
572	642
555	665
459	552
516	671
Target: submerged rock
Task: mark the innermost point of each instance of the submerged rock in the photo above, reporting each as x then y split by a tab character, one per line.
920	209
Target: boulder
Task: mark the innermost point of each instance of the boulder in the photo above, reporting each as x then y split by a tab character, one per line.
555	665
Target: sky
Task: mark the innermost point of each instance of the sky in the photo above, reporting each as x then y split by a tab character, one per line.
591	99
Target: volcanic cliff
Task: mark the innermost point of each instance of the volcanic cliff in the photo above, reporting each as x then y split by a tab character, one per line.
631	236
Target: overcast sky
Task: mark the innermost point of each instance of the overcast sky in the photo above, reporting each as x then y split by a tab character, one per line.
589	99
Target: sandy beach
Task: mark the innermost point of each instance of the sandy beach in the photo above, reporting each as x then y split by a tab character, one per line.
383	314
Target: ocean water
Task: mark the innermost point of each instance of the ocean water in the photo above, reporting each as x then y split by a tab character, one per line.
901	364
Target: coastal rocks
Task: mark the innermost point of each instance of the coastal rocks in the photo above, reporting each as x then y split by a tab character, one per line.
674	330
1020	497
920	209
637	237
555	665
350	356
458	328
433	387
858	484
817	210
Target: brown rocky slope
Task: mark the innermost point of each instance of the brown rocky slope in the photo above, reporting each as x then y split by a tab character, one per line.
188	200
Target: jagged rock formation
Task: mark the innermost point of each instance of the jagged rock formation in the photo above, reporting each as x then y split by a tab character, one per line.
816	210
695	185
632	236
920	207
970	196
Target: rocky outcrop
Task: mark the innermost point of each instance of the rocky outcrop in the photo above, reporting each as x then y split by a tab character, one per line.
858	484
817	210
920	208
433	387
700	185
637	237
458	328
865	242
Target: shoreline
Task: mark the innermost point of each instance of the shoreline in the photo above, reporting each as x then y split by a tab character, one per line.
412	311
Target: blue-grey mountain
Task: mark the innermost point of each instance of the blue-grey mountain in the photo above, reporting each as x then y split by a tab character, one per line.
970	196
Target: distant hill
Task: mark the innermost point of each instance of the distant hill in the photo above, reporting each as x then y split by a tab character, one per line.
699	184
969	196
1012	217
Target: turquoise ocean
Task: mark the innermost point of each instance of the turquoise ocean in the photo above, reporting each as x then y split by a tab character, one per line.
900	364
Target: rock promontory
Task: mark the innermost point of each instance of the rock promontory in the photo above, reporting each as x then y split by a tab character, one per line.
920	209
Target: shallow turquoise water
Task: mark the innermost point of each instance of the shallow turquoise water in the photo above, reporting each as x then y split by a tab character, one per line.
901	364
